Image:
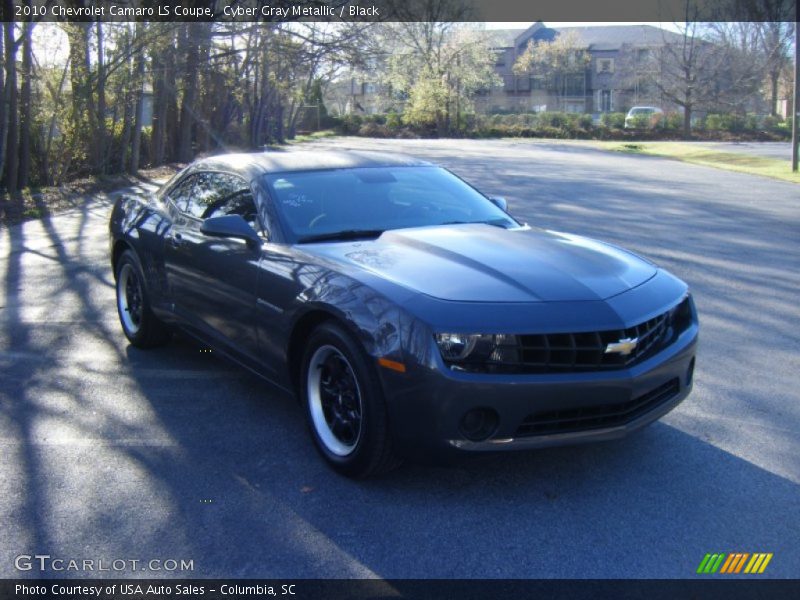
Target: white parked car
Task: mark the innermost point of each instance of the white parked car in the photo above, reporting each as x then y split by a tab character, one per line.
643	117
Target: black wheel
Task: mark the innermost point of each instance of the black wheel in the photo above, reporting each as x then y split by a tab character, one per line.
140	325
344	404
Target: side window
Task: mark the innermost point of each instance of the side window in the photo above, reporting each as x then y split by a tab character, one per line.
238	203
221	194
182	192
212	192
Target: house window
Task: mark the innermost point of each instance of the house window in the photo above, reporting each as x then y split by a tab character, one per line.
605	65
574	85
604	101
537	83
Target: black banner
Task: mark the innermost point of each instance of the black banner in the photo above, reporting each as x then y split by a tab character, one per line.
400	10
416	589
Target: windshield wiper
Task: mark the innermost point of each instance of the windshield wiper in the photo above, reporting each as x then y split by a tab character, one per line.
342	236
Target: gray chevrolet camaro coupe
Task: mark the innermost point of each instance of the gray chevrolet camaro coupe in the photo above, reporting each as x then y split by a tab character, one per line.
411	314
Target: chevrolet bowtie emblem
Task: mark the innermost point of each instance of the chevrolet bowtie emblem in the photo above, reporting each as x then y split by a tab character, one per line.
625	346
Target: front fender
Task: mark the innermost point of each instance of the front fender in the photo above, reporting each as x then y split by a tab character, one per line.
138	223
372	317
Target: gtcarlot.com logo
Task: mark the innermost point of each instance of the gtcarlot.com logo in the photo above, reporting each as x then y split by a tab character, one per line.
45	562
734	563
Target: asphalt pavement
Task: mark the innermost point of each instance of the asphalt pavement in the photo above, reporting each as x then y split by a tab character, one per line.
112	453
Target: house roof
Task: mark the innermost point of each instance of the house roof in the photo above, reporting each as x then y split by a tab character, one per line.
612	37
503	38
598	37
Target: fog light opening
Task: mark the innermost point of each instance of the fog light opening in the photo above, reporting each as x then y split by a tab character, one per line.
479	424
690	373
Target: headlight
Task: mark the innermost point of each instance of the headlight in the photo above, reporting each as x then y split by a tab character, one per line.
460	347
456	346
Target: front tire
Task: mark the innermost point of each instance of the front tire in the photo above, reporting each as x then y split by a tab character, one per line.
142	328
344	404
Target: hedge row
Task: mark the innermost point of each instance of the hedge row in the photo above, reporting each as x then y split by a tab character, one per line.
565	126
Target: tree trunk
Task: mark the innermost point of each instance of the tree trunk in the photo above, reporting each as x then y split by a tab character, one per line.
99	145
773	92
687	122
83	116
25	113
189	101
51	129
12	132
163	91
3	112
204	108
171	118
127	127
138	91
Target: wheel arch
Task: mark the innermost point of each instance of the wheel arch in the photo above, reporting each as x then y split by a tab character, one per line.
300	331
119	247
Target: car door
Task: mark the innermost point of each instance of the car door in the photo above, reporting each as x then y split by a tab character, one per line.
213	279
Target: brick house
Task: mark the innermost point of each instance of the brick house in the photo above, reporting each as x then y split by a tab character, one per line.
615	78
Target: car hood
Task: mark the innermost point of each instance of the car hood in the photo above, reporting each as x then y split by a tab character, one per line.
477	262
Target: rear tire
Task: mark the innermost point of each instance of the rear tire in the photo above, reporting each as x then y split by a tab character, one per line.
344	404
142	328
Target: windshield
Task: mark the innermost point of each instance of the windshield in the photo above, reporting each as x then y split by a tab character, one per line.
642	111
319	205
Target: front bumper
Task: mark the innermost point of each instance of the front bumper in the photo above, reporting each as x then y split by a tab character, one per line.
425	416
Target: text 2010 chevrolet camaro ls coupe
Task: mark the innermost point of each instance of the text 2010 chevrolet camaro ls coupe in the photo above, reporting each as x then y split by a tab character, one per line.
410	313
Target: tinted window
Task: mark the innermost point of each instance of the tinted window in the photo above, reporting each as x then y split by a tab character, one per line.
180	193
211	191
319	202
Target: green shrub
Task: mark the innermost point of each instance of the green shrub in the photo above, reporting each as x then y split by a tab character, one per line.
613	120
731	123
585	121
374	129
553	119
640	122
393	120
673	121
713	122
773	123
549	131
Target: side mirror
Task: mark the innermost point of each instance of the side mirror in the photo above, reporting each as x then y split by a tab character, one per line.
499	202
231	226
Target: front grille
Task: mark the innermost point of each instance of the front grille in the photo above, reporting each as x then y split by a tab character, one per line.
577	352
580	351
596	417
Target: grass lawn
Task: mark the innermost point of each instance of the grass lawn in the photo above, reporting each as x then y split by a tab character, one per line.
691	153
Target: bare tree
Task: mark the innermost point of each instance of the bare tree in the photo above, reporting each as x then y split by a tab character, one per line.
776	43
438	63
555	60
686	71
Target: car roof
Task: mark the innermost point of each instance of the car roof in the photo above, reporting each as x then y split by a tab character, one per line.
258	163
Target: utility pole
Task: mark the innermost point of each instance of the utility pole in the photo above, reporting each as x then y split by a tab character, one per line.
796	111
